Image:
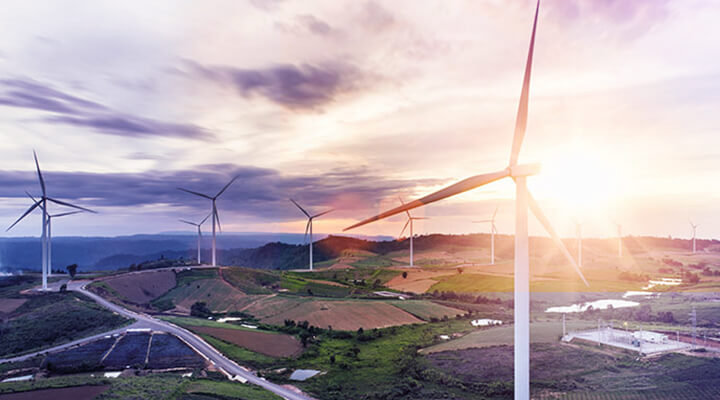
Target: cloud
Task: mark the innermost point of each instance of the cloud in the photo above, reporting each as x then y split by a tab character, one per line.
258	192
72	110
294	87
315	25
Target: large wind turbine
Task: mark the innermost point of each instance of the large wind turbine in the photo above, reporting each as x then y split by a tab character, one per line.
410	222
694	229
493	231
42	203
214	213
524	200
309	226
199	231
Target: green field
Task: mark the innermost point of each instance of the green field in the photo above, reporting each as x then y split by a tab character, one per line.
54	318
216	293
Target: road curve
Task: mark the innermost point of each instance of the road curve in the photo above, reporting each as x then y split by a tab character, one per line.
215	357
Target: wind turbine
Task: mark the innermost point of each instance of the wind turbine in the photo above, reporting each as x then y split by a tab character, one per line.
199	231
410	222
309	226
49	232
523	201
493	231
42	203
694	229
214	213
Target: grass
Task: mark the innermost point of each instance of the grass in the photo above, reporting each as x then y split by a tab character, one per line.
231	390
251	281
298	285
426	310
190	322
54	318
241	354
217	294
482	283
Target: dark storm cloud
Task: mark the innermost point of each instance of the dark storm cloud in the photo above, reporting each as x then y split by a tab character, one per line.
257	192
67	109
295	87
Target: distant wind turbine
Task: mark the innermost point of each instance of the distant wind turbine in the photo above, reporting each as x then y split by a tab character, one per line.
694	229
199	232
309	227
524	200
493	231
410	222
43	203
49	231
214	213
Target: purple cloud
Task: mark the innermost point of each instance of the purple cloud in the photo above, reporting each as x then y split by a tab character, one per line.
295	87
73	110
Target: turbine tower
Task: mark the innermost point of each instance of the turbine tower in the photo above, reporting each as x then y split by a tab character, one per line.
309	226
42	203
214	213
199	232
493	231
410	222
524	200
694	229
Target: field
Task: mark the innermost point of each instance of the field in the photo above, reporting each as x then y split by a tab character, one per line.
540	332
7	306
269	344
230	390
141	288
426	310
216	293
166	351
54	318
250	281
68	393
344	314
572	372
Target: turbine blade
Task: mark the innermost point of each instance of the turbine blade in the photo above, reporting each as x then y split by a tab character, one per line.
188	222
521	120
226	186
495	213
63	203
40	177
323	213
307	228
546	223
460	187
217	217
204	219
66	213
419	218
403	229
403	203
29	210
196	193
301	209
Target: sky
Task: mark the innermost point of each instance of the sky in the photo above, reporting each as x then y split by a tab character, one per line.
352	104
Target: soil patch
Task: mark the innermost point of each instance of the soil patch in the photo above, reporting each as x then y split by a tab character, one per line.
270	344
69	393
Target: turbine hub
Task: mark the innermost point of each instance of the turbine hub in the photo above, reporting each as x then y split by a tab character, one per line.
524	170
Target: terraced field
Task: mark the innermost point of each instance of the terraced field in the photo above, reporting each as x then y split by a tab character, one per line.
426	310
216	293
140	288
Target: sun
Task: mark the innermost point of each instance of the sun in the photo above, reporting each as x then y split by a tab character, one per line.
580	179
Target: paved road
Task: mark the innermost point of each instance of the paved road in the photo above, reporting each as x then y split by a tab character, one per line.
143	320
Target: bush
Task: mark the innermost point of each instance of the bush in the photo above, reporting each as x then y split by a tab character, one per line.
200	309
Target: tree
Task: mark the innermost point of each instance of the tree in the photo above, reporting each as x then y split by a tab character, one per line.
72	270
332	359
200	309
63	288
404	274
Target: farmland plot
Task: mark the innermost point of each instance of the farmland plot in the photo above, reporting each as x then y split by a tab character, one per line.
140	288
82	358
68	393
130	350
167	351
270	344
426	309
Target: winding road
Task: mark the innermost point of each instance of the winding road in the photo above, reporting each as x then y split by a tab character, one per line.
145	321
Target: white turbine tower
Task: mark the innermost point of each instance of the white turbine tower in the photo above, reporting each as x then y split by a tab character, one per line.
410	222
524	200
309	226
214	213
493	231
694	229
42	203
199	232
